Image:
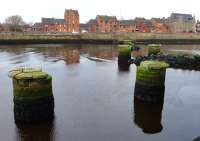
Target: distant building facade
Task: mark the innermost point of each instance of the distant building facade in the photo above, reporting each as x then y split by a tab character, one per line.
126	26
70	23
143	25
71	18
160	25
110	24
92	26
198	26
37	27
180	23
106	24
53	25
176	23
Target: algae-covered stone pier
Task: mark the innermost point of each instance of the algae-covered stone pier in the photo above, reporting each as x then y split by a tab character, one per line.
150	81
124	56
33	96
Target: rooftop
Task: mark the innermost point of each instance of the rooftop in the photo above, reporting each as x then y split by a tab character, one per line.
175	16
52	21
92	21
106	18
126	22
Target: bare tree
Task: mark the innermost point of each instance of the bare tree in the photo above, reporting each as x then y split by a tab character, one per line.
14	23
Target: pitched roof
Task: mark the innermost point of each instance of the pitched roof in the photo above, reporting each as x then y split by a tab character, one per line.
107	18
126	22
175	16
160	20
52	21
92	21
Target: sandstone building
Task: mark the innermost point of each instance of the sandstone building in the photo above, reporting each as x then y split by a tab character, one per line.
198	26
182	22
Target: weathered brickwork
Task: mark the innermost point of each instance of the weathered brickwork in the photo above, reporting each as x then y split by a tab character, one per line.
71	18
70	23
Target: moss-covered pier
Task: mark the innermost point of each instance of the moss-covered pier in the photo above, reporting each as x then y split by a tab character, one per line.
33	96
150	81
124	56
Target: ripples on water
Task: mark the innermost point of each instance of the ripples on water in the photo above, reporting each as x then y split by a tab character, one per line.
94	101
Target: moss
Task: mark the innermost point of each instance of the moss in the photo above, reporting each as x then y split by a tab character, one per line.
31	84
32	89
128	42
147	77
154	65
31	95
154	49
28	73
124	50
151	73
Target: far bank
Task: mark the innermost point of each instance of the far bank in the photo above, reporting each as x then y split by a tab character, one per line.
91	38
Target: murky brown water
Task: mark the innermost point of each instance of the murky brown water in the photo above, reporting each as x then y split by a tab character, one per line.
94	101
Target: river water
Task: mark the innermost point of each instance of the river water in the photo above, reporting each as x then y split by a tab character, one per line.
94	101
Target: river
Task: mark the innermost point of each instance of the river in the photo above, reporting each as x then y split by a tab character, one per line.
94	100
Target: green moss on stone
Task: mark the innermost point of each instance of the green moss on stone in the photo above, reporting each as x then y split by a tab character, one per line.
154	49
151	73
28	73
154	65
128	42
31	84
124	50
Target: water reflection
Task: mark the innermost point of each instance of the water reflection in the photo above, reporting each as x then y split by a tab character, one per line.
72	56
35	132
53	53
97	105
148	116
122	68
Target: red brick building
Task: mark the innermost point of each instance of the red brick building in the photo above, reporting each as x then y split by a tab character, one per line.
70	23
92	26
143	25
71	18
160	25
106	24
53	25
126	26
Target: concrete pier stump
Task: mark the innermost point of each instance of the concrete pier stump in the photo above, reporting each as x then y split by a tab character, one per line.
124	56
33	96
150	79
154	49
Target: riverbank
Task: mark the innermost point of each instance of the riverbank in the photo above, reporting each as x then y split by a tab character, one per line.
91	38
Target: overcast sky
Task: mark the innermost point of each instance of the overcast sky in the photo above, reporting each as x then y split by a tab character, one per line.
33	10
